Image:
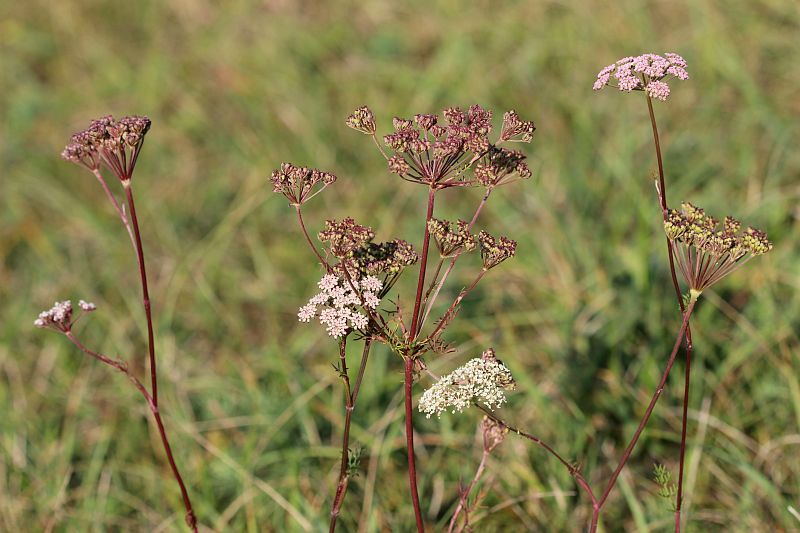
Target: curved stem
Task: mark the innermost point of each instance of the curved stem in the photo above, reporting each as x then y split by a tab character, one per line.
463	503
643	422
408	364
446	316
191	520
116	205
350	403
151	349
309	241
573	470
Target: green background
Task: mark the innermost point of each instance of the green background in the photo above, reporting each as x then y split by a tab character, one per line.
584	315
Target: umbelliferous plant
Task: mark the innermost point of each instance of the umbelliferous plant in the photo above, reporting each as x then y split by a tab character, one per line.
453	150
114	146
456	152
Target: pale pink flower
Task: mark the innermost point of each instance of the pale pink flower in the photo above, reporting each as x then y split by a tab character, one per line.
646	72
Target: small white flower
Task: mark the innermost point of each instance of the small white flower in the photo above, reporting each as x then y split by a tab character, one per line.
337	303
86	306
483	379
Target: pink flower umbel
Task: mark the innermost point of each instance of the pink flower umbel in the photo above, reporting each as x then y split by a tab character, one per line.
647	72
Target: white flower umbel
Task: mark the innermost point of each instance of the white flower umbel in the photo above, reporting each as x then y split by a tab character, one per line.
483	379
337	304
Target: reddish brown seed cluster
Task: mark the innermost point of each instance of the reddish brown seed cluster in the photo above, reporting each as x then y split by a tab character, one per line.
115	143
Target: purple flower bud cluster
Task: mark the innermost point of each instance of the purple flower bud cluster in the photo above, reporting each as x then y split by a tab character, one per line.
299	184
646	72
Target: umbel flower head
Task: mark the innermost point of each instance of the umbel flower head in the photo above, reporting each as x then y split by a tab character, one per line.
362	120
451	237
647	72
343	237
483	379
516	129
115	143
337	303
500	166
438	151
60	316
299	184
495	250
706	254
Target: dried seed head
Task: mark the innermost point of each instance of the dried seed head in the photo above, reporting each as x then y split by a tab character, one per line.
398	165
501	166
300	184
387	258
493	432
451	237
362	120
513	127
114	143
343	237
495	250
705	254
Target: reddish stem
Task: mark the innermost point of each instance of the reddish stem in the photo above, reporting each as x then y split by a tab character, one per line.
408	364
309	241
662	196
422	266
151	349
191	520
643	422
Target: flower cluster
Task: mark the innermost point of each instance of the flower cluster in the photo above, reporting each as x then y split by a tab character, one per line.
116	143
391	257
60	316
705	254
344	236
646	72
483	379
362	120
427	151
451	237
495	250
514	127
438	151
298	184
499	166
337	302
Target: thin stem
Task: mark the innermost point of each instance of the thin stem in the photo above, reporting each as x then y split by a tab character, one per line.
350	403
445	317
151	349
455	257
643	422
191	520
117	208
422	266
408	364
684	419
309	241
344	477
662	196
462	503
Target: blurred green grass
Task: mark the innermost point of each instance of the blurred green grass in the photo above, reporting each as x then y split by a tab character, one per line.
583	316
